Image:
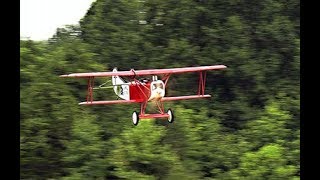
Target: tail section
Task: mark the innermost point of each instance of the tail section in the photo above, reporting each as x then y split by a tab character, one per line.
120	87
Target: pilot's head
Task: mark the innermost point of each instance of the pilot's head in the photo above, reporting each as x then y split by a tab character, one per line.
157	91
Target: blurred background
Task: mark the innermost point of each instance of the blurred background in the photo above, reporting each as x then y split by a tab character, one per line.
249	129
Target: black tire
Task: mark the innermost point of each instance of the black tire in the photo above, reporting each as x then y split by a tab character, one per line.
171	116
135	118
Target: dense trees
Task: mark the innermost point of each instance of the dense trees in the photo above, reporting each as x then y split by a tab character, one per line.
250	129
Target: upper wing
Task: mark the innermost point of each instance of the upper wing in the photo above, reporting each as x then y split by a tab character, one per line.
146	72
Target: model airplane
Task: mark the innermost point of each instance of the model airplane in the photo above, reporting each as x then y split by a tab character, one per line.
142	91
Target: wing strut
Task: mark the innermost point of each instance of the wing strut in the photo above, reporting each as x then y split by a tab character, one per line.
90	89
165	79
202	82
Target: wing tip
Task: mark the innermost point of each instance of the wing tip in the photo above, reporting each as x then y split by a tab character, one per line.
223	66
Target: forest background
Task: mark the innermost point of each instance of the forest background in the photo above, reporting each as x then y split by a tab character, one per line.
249	129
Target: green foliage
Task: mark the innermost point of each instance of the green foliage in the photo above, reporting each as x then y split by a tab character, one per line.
84	153
250	129
270	128
138	153
267	163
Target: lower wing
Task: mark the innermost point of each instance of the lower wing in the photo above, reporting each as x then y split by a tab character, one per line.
135	101
108	102
185	97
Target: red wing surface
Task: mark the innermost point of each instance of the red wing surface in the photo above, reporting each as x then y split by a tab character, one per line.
108	102
146	72
184	97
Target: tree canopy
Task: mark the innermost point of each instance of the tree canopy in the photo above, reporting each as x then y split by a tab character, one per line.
249	129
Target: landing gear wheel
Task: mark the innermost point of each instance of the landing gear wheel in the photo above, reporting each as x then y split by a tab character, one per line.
171	117
135	118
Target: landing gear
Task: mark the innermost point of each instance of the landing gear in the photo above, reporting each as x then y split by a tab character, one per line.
171	117
135	118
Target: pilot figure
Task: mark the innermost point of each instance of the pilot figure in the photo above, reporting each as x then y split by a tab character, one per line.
157	92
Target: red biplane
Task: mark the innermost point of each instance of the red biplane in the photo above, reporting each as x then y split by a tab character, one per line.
132	89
